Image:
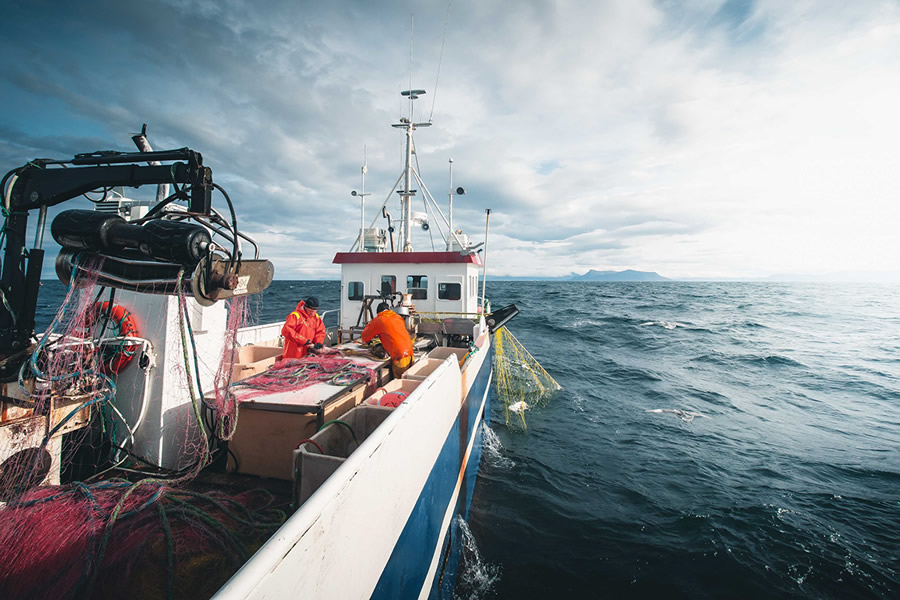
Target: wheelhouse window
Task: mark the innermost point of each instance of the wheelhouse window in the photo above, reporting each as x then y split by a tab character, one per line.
388	285
355	290
417	286
449	291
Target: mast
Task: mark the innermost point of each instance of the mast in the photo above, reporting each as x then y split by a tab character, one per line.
362	200
407	192
405	204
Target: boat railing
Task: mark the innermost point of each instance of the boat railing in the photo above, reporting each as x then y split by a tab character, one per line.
438	317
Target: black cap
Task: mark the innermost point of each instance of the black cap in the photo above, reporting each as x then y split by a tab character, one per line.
312	302
382	307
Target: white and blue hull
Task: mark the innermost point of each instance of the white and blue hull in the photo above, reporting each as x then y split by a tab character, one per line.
382	525
426	557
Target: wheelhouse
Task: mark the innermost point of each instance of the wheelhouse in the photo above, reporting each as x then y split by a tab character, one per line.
430	284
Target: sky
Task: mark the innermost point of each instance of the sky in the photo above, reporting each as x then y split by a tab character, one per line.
697	139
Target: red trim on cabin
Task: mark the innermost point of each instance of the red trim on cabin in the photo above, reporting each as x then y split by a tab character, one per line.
350	258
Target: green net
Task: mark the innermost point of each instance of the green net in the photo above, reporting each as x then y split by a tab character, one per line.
521	382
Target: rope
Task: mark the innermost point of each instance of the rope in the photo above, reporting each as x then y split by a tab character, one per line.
170	553
296	374
187	371
313	442
207	513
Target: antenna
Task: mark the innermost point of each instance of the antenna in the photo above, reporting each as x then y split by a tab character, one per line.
440	60
411	30
362	201
450	211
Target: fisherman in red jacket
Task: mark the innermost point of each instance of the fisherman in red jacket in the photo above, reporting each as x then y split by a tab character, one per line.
391	330
303	329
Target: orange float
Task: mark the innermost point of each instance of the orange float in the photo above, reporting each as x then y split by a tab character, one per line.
114	357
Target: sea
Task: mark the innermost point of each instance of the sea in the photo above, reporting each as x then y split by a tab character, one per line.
711	440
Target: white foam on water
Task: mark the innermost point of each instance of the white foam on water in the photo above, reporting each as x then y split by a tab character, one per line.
579	323
664	324
685	415
799	573
476	577
492	451
578	401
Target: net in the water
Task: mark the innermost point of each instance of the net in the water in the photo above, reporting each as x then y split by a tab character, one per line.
521	382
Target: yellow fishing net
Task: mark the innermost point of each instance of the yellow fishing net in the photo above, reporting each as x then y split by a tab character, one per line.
521	382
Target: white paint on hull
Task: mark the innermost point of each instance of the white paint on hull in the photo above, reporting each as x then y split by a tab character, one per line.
338	543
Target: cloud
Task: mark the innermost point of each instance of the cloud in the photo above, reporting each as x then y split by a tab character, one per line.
692	138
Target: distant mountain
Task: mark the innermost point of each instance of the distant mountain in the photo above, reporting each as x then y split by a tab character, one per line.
593	275
627	275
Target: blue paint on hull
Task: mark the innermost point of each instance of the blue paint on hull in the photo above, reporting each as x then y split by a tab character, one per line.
445	582
406	570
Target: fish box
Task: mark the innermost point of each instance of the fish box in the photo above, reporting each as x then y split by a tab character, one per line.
442	353
422	368
270	427
397	385
312	467
250	360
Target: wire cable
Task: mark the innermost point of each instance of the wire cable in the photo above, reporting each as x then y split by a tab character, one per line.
440	60
236	255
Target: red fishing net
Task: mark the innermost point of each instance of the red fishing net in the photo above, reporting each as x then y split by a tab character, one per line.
225	405
298	373
112	538
61	382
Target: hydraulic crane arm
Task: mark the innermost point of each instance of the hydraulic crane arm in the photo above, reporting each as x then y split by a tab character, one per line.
39	184
137	253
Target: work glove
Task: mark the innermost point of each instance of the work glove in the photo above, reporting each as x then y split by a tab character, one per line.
318	345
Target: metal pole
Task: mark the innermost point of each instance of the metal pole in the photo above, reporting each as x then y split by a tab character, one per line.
487	226
143	144
362	201
450	210
406	244
39	234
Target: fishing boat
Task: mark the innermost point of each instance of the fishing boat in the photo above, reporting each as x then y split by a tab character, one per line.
151	445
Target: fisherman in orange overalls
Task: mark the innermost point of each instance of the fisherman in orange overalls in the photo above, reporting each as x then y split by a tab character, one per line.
391	330
303	329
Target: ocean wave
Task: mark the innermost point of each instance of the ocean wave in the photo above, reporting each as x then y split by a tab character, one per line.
492	451
732	360
772	360
686	416
624	374
714	358
581	323
664	324
477	577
